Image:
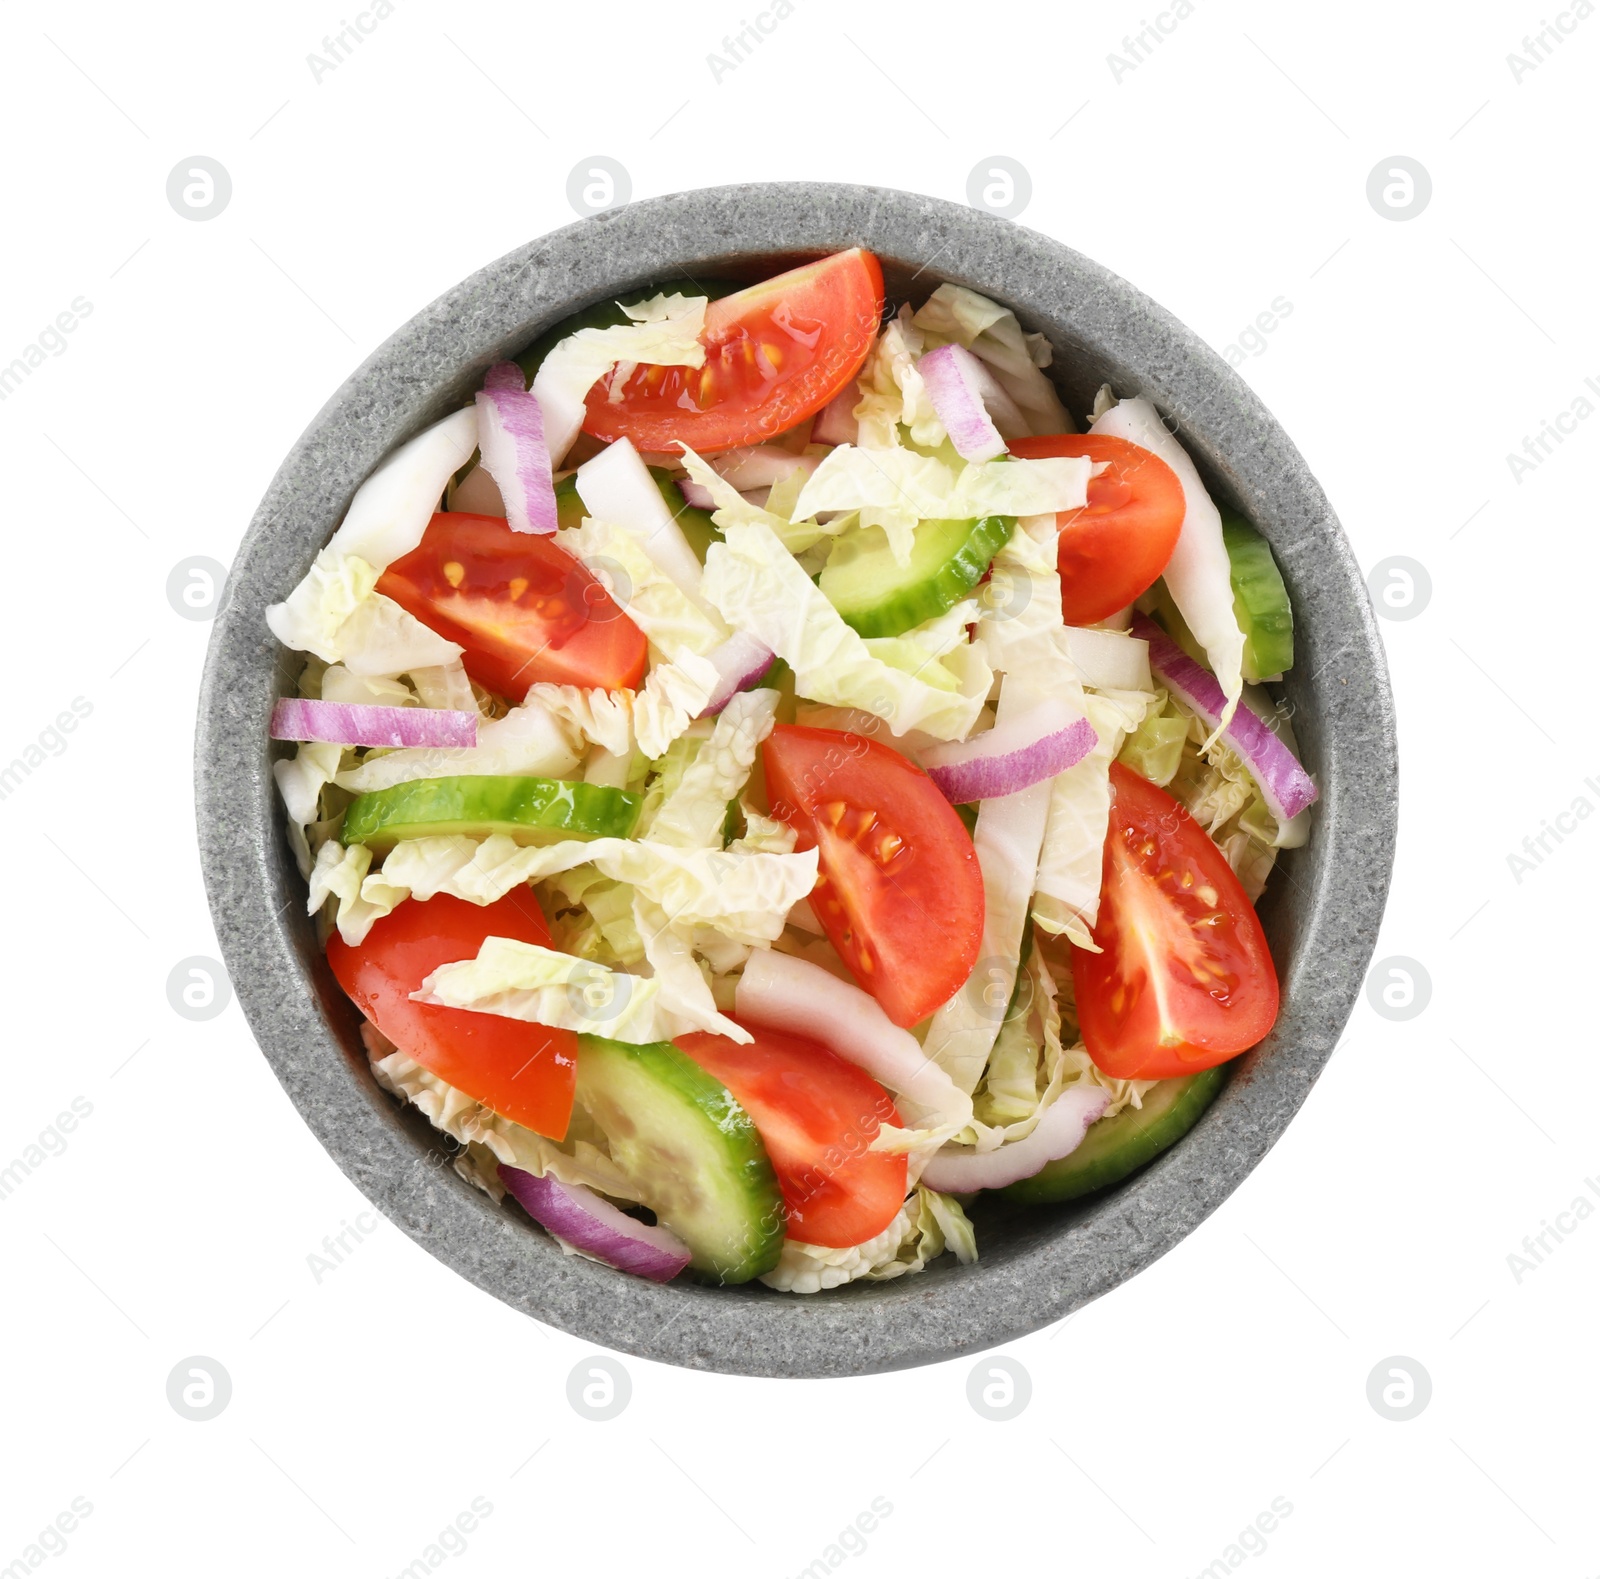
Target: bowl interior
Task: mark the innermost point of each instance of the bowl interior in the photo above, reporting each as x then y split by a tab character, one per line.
1320	910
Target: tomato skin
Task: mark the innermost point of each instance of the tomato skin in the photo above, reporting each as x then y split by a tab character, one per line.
817	1114
899	894
522	607
1115	546
1169	892
524	1072
775	353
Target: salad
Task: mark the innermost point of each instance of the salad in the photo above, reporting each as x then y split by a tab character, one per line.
764	779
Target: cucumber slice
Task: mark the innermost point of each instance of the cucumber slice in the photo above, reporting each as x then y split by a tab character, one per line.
607	314
1260	601
696	525
877	597
531	810
691	1151
1114	1147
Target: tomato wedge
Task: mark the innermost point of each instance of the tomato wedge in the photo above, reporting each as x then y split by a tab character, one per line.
524	1072
1184	979
775	353
816	1115
899	892
523	609
1120	541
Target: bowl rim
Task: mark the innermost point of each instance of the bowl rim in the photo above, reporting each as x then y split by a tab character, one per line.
286	992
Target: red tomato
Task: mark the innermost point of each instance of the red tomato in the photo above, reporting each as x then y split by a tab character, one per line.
899	892
524	1072
775	353
524	609
1184	979
816	1114
1120	541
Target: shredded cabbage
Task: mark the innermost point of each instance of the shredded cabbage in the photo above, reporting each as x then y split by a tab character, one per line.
1222	795
1008	838
340	685
1199	575
1022	629
391	509
654	602
674	695
744	894
1030	1068
763	834
731	508
693	812
605	717
530	739
526	981
1067	886
474	1125
665	331
686	1003
334	611
761	590
994	336
310	618
925	1227
904	484
893	394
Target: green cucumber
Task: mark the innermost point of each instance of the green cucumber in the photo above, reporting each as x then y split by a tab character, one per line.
877	597
608	314
696	525
531	810
690	1150
1114	1147
1260	601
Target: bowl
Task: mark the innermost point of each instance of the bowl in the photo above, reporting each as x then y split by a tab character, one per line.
1321	910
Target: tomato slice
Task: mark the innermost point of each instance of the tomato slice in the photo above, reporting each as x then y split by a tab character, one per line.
816	1114
524	1072
775	353
899	892
1184	979
523	609
1120	541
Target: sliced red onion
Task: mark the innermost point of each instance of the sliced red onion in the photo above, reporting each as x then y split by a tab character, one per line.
953	376
360	724
511	445
1015	755
740	661
590	1223
836	423
760	465
1058	1133
1285	785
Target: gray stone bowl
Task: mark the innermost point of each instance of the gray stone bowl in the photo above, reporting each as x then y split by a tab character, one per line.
1321	910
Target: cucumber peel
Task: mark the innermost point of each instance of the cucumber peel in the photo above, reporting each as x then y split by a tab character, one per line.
1115	1147
875	596
530	810
1260	601
690	1150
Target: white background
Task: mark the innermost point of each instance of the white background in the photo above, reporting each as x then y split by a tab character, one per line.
369	1408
